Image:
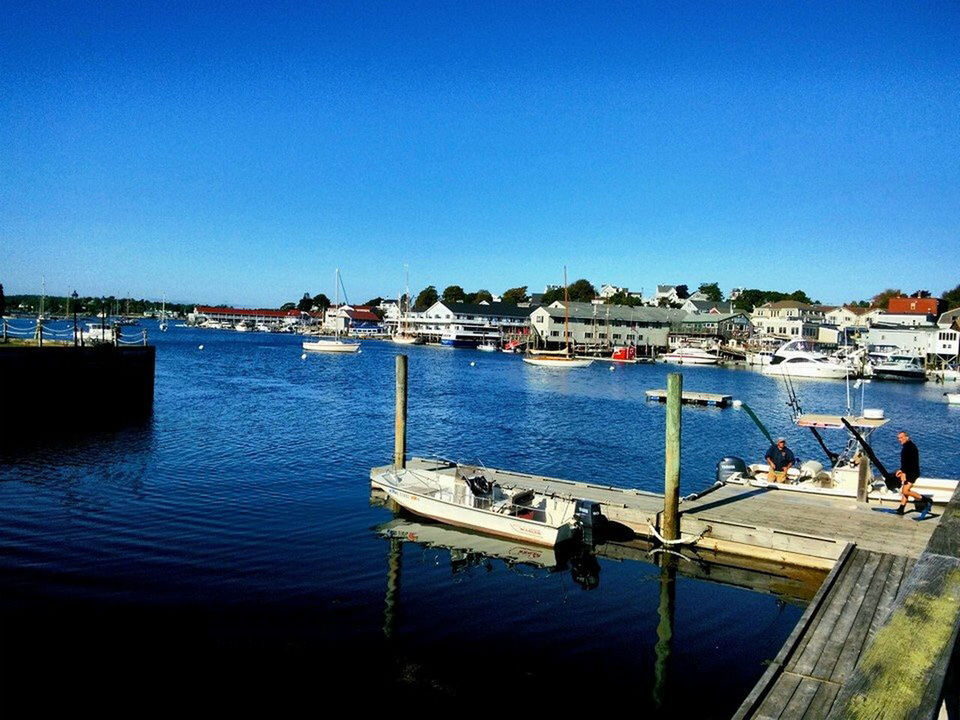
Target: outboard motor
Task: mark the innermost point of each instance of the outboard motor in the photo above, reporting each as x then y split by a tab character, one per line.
479	485
729	466
589	518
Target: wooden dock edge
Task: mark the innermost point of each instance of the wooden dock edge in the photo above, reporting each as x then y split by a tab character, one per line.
763	686
903	669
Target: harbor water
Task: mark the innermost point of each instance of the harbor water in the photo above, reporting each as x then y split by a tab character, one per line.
233	535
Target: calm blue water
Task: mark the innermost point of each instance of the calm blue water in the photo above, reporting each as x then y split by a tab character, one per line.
235	530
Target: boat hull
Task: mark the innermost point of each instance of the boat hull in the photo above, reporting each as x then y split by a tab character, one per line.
899	375
820	371
689	359
940	489
406	340
460	343
560	363
330	346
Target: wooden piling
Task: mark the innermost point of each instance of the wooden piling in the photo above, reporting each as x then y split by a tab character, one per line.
670	527
400	419
863	478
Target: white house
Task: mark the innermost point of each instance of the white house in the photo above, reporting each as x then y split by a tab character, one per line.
789	319
852	316
667	293
608	291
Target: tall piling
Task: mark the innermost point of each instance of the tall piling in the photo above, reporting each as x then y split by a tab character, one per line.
400	418
670	527
863	478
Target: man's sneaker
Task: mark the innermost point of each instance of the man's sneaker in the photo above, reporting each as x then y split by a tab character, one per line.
900	509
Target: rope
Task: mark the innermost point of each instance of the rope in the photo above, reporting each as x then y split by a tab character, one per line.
678	541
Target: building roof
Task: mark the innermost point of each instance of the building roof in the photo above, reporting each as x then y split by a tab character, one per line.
785	304
362	315
500	309
208	310
692	319
589	311
949	317
665	289
705	306
855	309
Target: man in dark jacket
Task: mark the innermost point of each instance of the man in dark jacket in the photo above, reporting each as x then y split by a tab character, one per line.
909	472
780	459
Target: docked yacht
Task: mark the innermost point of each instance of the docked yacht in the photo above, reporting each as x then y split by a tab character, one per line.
797	358
904	368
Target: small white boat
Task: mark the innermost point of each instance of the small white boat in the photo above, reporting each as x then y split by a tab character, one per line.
487	347
468	500
841	480
691	356
330	345
953	398
562	362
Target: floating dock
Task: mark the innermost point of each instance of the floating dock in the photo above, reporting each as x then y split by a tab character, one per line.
692	398
893	586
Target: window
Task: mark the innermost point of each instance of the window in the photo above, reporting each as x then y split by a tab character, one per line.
616	336
554	333
588	335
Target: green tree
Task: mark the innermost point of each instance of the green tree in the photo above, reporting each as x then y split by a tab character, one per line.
578	291
427	297
306	303
374	302
683	292
881	299
622	298
950	297
288	306
3	302
453	293
712	291
515	295
322	302
483	295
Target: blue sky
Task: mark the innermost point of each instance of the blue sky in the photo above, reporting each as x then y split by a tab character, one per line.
238	153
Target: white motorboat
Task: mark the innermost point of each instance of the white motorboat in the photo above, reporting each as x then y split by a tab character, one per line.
487	347
952	398
334	344
797	359
759	357
691	356
842	479
904	368
467	499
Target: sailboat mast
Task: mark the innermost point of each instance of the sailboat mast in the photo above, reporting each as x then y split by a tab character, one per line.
336	304
566	311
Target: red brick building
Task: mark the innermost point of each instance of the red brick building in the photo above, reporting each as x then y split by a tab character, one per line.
914	306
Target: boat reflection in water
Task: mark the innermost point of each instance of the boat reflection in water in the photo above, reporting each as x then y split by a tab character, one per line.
471	550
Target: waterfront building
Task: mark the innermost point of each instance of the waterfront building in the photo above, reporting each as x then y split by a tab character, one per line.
722	326
914	305
470	324
789	319
851	316
889	319
600	327
352	320
230	316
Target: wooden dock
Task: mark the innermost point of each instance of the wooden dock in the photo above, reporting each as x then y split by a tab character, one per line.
820	654
891	583
692	398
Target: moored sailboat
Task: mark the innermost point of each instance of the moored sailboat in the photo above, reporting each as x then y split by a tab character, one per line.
562	359
335	345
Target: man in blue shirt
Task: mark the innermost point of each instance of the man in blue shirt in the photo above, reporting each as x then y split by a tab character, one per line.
780	459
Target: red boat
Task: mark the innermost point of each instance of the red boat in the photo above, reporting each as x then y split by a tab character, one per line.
624	353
